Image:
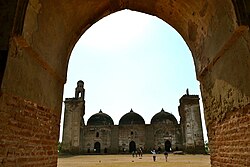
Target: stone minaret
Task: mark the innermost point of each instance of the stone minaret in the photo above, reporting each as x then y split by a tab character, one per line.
73	120
80	90
190	120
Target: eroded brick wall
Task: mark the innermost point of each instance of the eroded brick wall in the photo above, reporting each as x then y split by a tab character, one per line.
229	140
226	100
28	133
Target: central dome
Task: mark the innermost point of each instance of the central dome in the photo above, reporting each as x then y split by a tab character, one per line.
131	118
163	117
100	119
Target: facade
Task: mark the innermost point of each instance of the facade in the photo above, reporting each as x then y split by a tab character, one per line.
100	135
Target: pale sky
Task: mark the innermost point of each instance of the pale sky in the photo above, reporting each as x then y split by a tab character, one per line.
132	60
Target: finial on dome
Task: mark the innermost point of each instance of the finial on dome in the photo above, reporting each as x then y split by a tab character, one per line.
131	110
162	110
100	111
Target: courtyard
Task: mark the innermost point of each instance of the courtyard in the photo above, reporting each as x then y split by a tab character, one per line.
128	160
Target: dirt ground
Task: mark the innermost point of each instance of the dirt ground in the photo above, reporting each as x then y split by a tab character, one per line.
128	160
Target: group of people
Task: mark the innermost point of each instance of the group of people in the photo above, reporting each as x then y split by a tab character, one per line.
139	152
154	155
136	152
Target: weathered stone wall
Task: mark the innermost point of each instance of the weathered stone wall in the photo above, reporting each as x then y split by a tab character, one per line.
128	133
149	144
114	139
73	121
190	119
164	132
104	138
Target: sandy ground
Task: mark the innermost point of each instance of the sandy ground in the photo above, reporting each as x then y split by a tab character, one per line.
128	160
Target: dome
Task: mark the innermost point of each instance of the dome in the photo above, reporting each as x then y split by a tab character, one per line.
163	117
131	118
100	119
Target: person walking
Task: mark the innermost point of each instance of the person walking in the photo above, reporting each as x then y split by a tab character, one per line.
154	155
166	155
133	153
141	152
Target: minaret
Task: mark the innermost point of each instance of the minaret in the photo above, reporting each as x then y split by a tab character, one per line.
189	111
73	120
80	90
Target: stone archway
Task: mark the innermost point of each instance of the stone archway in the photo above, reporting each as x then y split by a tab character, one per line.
132	146
97	147
167	145
40	35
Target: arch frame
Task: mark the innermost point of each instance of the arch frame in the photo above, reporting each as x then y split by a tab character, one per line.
132	146
38	56
97	147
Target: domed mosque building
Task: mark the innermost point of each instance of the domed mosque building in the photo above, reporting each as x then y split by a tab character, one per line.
101	136
99	127
132	131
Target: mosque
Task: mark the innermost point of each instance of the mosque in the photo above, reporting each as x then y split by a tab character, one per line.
101	136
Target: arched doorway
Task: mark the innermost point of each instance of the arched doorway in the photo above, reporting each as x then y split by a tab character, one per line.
214	31
132	146
167	145
97	147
